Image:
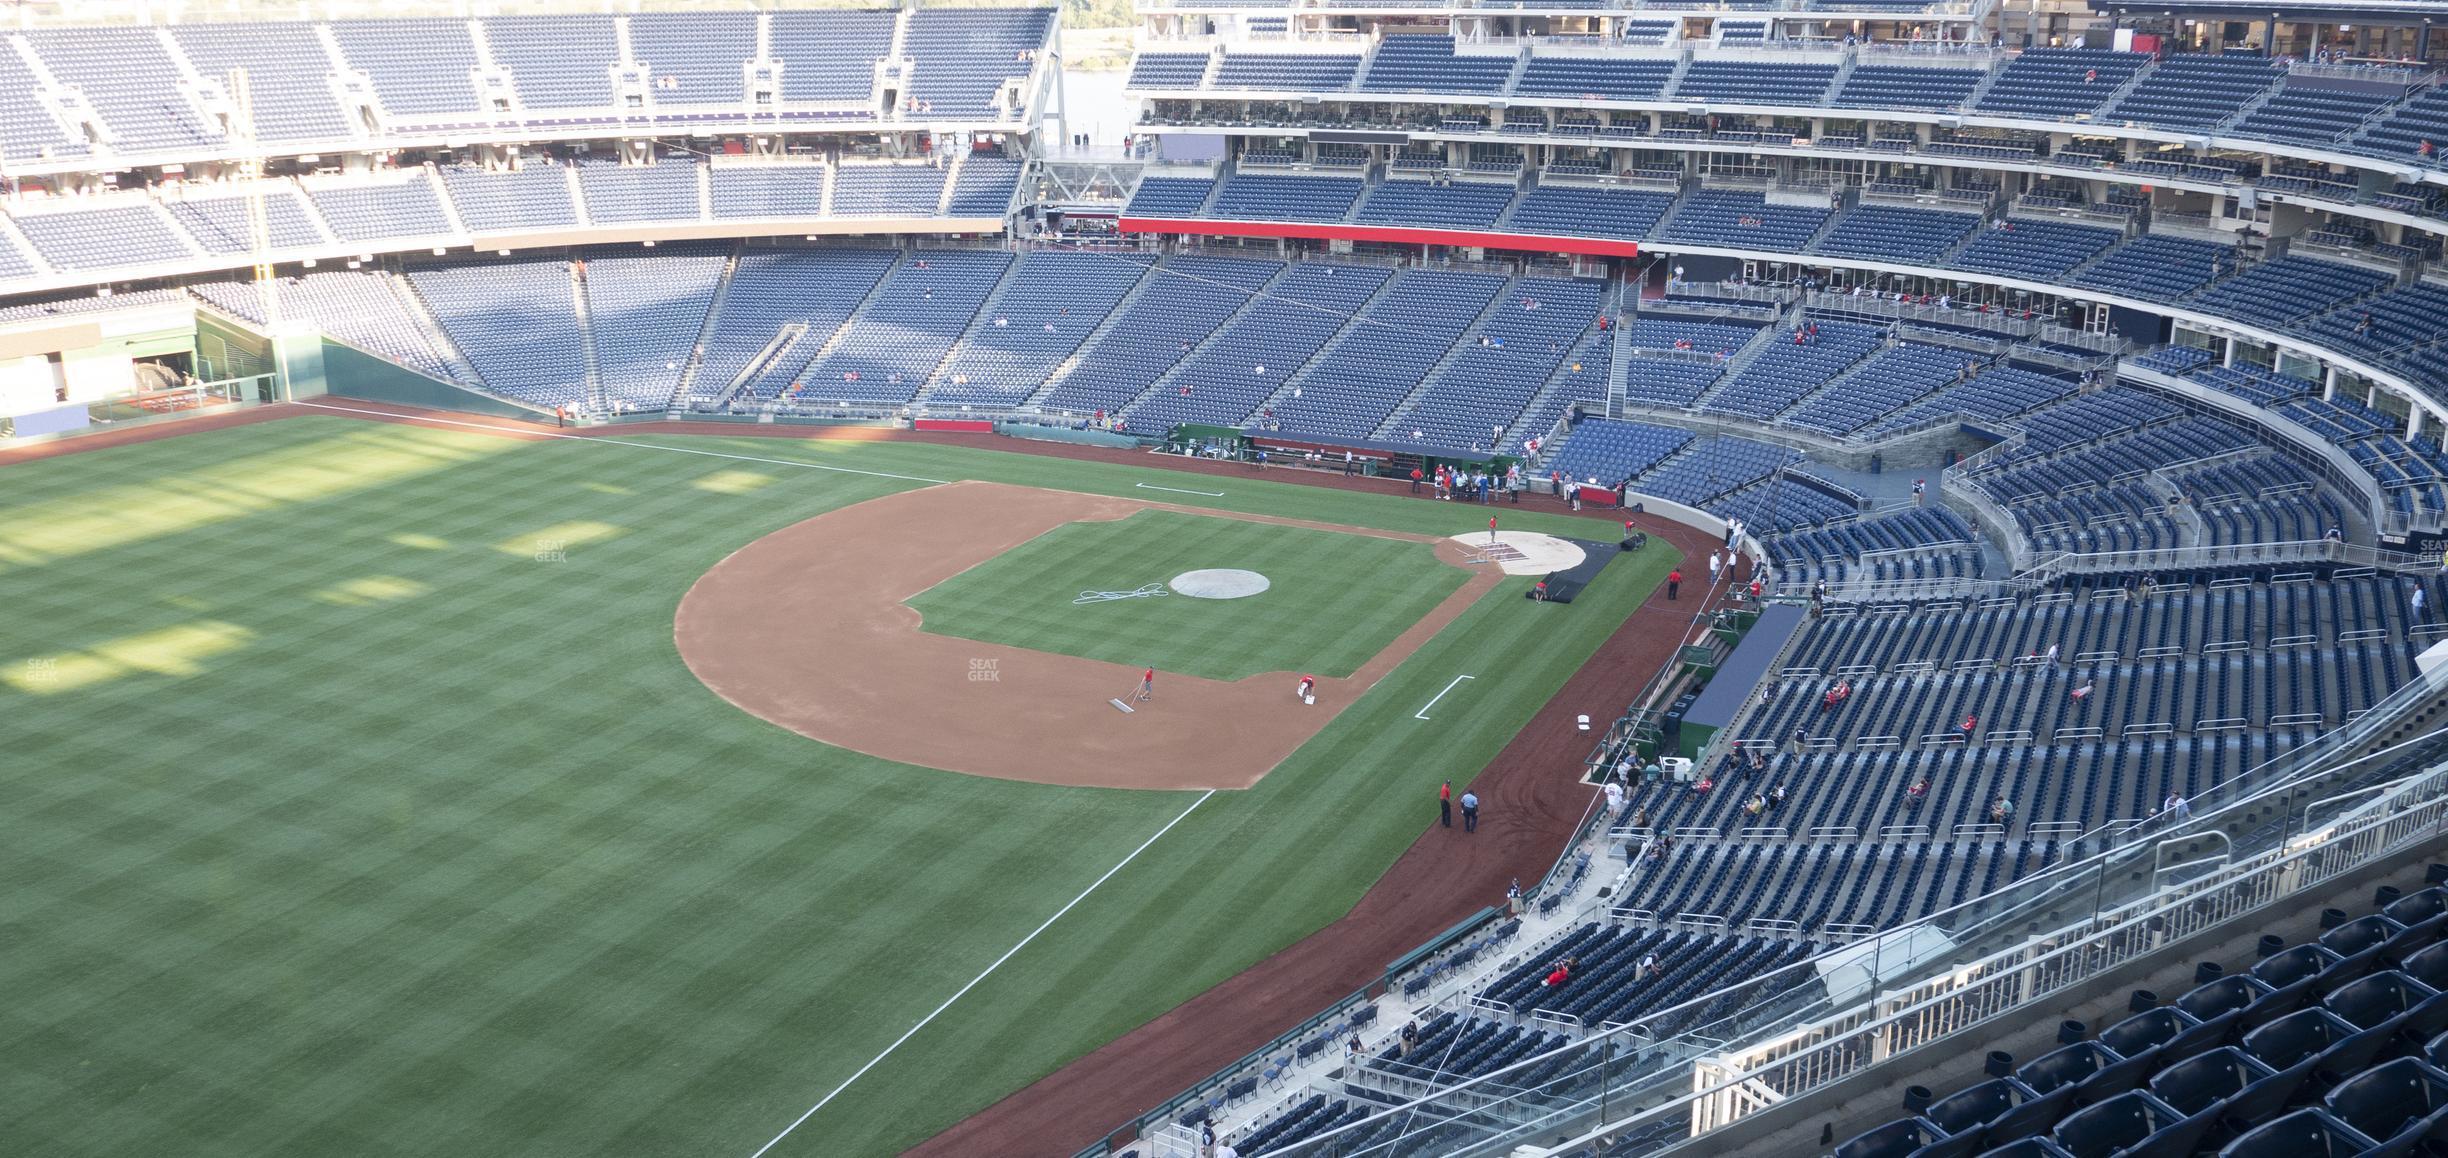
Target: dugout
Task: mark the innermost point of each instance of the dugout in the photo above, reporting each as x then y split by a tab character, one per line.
1738	677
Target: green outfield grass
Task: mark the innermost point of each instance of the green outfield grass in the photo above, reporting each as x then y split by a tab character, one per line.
358	804
1333	599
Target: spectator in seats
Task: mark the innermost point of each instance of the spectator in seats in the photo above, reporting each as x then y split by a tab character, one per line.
2050	658
1776	799
1799	738
1919	792
1920	490
1754	807
2080	694
1614	797
1640	818
2001	812
2334	535
1970	723
2415	603
1704	785
1651	970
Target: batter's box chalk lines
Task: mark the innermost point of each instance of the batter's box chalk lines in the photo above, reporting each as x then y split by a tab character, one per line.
495	429
1008	954
1151	591
1178	490
1422	714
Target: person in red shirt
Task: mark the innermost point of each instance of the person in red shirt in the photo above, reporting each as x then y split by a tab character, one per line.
1674	582
1491	530
1445	804
1416	476
1147	685
1970	722
1308	683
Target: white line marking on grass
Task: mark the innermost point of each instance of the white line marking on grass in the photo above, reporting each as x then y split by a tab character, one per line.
973	982
1422	714
620	442
1178	490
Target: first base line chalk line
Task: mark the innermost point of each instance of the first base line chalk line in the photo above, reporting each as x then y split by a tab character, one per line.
1422	714
413	418
1179	491
973	982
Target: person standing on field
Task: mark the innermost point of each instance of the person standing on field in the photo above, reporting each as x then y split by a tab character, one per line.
1491	530
1470	811
1674	582
1147	686
1445	805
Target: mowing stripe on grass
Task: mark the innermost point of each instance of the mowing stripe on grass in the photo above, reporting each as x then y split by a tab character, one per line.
973	982
1178	490
622	442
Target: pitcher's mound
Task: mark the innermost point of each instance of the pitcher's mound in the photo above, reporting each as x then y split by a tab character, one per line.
1522	552
1218	583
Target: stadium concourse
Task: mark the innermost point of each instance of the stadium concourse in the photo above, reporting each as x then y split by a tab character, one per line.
2048	411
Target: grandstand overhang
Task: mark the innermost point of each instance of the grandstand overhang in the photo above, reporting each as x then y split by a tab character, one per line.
1385	234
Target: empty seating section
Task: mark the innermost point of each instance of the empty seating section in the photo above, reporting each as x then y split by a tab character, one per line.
1887	86
422	67
1429	64
1710	467
1605	984
2398	327
984	187
1268	197
1939	540
120	235
887	191
1742	219
695	57
28	131
1889	381
2196	90
2258	500
1167	70
1224	382
906	328
1671	362
1747	82
645	312
2289	289
1304	72
616	194
2332	1046
829	57
1587	78
516	320
1050	303
1464	205
1385	354
2420	121
1574	210
367	211
791	190
2157	267
535	195
2059	83
1185	300
222	224
1866	885
965	56
1791	367
361	309
2033	250
781	308
1896	233
288	75
1997	394
556	62
1611	450
1170	196
1483	389
1788	501
130	81
2306	110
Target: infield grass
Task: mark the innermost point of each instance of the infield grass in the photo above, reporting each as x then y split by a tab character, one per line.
1333	599
358	804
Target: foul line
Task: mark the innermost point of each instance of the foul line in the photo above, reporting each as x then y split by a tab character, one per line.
486	426
1422	714
1179	491
973	982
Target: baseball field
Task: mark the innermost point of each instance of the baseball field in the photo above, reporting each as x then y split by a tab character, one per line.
362	800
